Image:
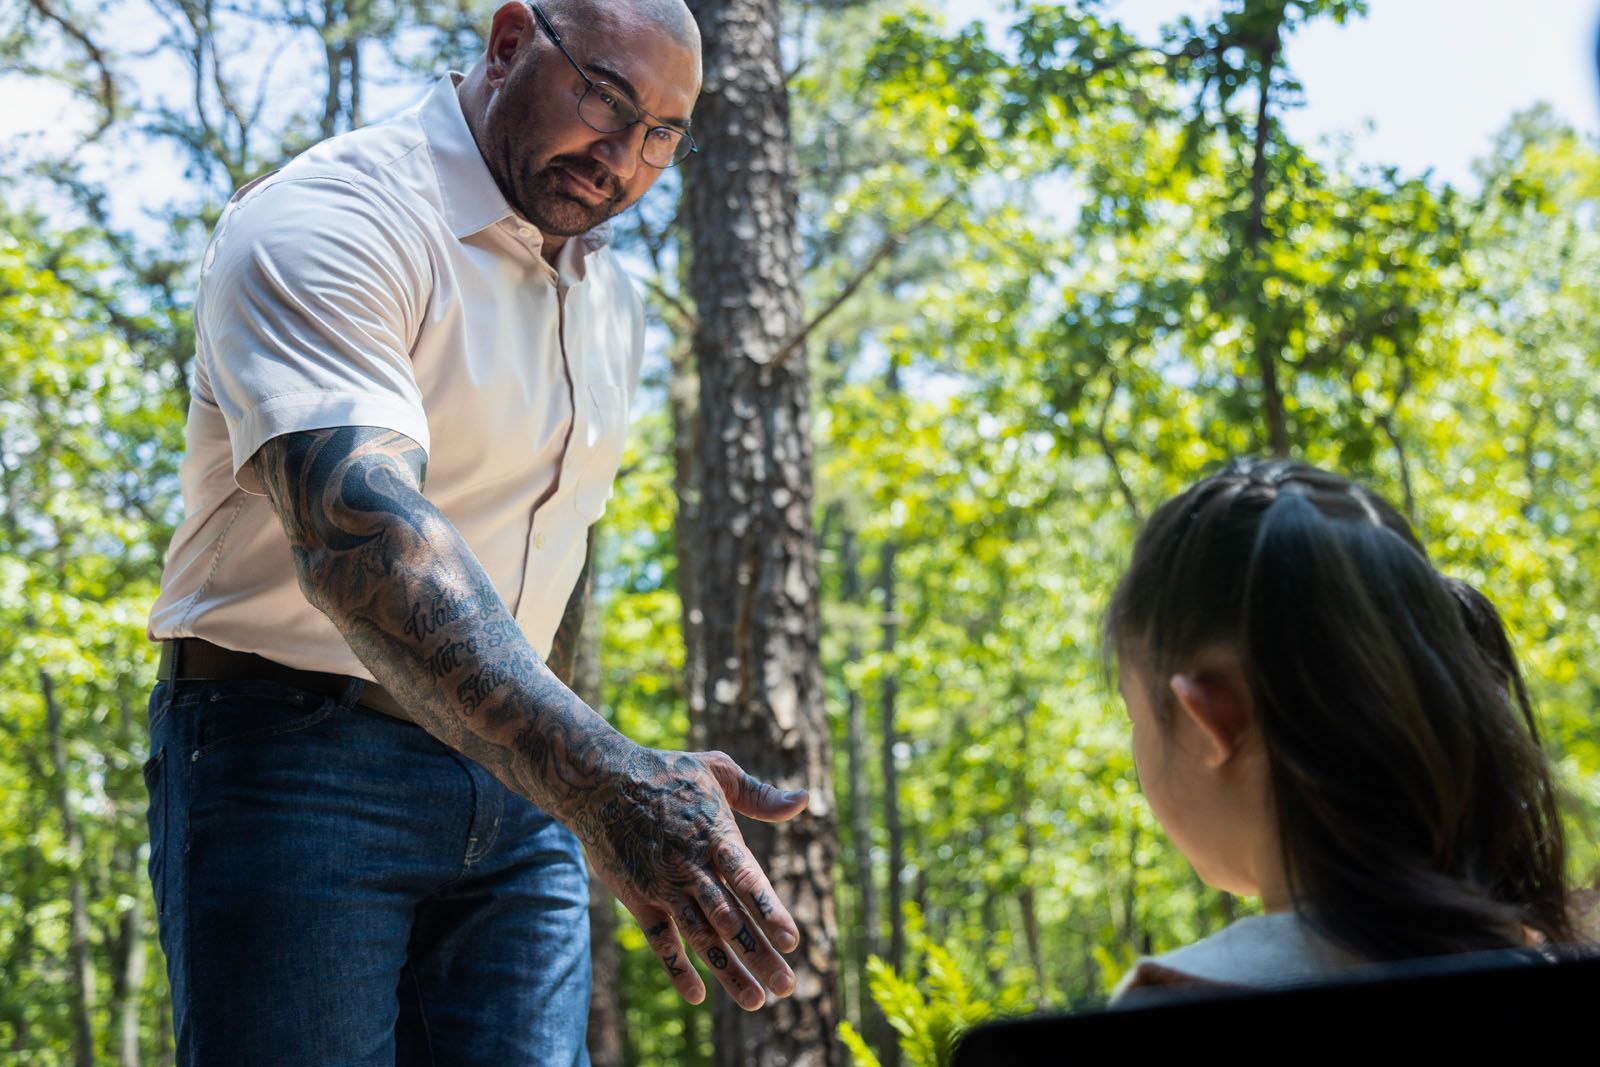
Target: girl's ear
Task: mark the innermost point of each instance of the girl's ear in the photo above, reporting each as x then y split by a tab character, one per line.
1216	700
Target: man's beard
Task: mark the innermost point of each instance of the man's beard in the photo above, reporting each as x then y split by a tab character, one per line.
546	202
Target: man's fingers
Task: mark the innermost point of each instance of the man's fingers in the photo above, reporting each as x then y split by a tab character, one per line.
749	795
745	938
661	933
748	883
726	966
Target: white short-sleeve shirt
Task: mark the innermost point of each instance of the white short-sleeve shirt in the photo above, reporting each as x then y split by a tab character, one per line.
381	279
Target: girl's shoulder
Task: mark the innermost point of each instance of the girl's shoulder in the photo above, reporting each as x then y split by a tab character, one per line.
1253	952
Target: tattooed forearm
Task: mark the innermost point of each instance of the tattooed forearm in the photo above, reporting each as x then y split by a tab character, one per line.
415	605
419	610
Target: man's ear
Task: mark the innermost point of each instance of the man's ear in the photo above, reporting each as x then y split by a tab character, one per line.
508	33
1216	700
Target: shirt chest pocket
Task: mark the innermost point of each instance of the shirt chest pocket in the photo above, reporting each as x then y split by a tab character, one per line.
604	429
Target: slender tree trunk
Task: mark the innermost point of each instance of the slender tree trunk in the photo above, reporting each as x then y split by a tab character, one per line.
607	1018
82	990
1267	341
888	1044
1025	896
131	980
20	952
856	740
891	773
759	576
875	1025
682	396
333	51
128	955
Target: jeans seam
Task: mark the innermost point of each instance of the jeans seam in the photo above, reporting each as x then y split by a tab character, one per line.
422	1015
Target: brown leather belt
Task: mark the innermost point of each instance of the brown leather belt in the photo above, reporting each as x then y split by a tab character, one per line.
191	659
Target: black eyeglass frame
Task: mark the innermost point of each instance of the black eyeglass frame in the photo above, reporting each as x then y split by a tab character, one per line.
641	113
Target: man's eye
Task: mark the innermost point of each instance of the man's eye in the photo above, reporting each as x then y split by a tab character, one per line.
665	136
612	98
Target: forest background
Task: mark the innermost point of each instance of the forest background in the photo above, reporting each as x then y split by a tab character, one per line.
1047	270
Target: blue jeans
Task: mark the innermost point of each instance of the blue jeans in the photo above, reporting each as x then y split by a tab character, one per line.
335	886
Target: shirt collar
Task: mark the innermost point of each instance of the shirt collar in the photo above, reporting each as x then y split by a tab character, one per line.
471	199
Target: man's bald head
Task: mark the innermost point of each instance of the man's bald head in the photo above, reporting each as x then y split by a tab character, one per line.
668	16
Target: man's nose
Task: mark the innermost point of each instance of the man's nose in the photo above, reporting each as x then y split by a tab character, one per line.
620	151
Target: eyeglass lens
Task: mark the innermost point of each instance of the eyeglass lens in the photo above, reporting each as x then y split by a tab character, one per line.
607	110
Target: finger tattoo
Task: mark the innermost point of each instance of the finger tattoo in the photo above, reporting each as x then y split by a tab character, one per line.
746	939
717	958
762	902
674	968
658	929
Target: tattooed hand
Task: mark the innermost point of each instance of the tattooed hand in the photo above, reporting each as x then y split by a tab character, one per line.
416	606
660	832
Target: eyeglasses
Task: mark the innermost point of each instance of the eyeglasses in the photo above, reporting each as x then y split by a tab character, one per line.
606	109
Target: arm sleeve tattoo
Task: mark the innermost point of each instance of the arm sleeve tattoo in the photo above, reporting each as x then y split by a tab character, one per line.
416	606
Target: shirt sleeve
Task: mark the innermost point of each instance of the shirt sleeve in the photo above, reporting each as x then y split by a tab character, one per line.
311	293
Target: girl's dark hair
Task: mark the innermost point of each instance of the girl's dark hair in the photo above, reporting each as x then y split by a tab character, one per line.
1414	805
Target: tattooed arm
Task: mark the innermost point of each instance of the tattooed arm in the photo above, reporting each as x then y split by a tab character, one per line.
416	606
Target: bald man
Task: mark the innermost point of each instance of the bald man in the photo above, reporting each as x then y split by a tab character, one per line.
415	357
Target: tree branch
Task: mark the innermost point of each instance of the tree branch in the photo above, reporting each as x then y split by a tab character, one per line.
108	86
890	244
1111	454
689	322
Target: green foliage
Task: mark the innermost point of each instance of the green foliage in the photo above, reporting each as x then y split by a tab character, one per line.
930	1006
1054	268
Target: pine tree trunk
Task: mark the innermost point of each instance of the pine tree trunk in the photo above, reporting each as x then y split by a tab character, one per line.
83	985
758	589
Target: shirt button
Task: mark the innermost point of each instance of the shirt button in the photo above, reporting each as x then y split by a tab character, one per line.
538	541
526	231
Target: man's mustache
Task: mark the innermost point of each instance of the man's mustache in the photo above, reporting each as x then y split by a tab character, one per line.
591	172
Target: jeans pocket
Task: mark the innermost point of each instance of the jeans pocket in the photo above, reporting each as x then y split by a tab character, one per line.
238	712
155	784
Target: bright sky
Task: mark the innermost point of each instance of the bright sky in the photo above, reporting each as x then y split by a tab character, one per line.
1435	78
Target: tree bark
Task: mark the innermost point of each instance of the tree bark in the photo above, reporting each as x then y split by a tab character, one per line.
82	990
758	588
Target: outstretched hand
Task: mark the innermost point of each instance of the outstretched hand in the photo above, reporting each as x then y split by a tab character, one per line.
660	833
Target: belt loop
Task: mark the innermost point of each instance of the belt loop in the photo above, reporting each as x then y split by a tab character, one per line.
352	694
